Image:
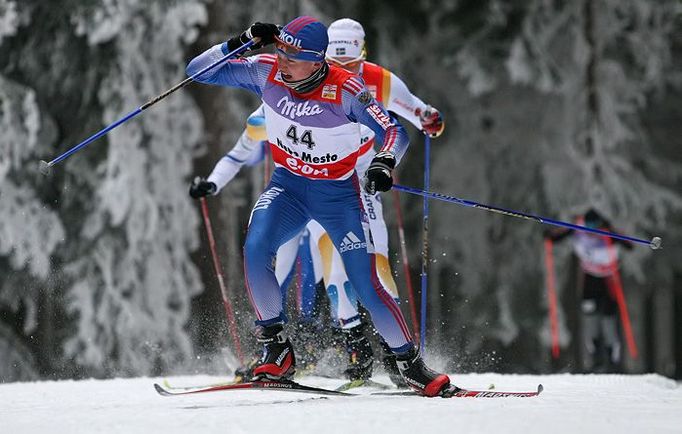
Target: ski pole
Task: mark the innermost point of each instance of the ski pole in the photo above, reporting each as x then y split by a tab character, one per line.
614	281
551	297
425	243
45	166
406	262
231	321
654	243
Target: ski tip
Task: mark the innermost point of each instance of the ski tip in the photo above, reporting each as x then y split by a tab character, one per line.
160	390
656	243
540	388
44	167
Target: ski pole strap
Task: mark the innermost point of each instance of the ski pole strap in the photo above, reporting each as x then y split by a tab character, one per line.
654	243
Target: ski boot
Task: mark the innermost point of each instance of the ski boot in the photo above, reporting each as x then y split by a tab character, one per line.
419	377
360	354
278	361
390	363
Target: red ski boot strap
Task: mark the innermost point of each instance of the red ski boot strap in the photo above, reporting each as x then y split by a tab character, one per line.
438	384
273	370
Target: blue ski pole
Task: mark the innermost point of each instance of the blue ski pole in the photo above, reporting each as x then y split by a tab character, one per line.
425	244
45	166
654	243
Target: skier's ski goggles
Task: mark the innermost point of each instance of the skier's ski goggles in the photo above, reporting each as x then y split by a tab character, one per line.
297	53
347	64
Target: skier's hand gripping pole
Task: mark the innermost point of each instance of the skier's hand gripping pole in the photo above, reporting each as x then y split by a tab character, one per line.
45	166
655	243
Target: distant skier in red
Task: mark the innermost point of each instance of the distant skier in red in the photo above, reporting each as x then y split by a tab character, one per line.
601	291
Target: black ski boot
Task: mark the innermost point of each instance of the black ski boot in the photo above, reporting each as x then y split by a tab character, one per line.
419	377
390	363
360	354
278	361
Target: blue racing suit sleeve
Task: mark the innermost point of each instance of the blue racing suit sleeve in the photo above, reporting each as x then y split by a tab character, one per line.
361	107
250	73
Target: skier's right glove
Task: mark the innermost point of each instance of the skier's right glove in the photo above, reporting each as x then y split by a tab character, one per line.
265	32
200	187
378	176
432	121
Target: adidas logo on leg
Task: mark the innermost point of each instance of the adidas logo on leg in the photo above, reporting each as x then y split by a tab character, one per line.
351	242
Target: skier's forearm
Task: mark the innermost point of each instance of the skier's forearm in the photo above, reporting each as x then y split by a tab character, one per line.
396	142
404	103
248	73
224	171
202	61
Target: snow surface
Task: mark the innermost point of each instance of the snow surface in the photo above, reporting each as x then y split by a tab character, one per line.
570	404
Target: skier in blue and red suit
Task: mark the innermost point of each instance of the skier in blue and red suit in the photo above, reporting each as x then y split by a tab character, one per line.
312	115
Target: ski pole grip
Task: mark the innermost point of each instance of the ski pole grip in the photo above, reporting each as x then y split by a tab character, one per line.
656	243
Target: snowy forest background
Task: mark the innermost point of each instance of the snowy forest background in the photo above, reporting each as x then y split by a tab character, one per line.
551	106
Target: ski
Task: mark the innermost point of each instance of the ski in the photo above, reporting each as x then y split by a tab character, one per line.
456	392
283	386
169	387
291	386
362	383
465	393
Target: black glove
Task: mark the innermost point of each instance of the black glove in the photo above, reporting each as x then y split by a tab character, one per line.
200	188
378	176
265	31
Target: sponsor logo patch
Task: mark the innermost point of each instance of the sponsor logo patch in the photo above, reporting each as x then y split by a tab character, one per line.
365	97
369	207
382	119
266	198
289	39
329	91
351	242
281	357
307	157
297	109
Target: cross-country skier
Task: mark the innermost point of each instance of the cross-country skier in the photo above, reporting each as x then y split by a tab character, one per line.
598	257
312	113
347	50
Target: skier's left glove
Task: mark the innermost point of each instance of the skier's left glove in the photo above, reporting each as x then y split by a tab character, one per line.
201	187
264	32
378	176
432	122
